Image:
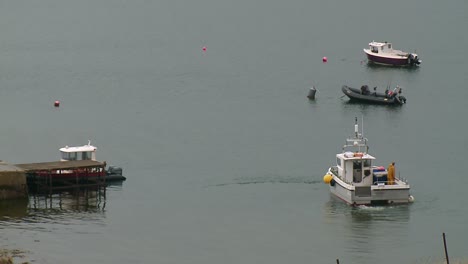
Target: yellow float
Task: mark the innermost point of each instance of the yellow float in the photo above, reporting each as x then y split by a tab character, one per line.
327	178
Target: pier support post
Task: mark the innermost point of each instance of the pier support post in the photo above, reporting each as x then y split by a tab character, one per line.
445	247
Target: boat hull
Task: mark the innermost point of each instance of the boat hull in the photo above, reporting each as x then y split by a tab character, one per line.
372	98
370	195
401	60
388	61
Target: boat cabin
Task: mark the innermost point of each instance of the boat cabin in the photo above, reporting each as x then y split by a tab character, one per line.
354	164
86	152
383	47
355	167
355	181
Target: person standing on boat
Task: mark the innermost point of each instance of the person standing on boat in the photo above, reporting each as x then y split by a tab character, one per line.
391	173
365	90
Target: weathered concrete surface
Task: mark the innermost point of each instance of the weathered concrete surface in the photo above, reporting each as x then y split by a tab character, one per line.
13	183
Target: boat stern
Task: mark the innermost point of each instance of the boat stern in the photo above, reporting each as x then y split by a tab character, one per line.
413	59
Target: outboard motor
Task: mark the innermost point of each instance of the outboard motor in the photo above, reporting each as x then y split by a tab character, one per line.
413	59
113	170
417	61
402	99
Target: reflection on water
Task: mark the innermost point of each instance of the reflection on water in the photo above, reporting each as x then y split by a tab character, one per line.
57	207
366	216
367	108
365	227
378	67
13	208
83	200
394	213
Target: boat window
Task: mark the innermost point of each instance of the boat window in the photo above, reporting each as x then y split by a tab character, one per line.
356	165
72	156
389	45
374	49
65	155
382	47
367	163
86	155
338	162
357	171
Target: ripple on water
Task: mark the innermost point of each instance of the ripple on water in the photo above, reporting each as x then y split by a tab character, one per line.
47	213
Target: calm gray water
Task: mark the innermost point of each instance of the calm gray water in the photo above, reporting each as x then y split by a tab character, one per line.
223	152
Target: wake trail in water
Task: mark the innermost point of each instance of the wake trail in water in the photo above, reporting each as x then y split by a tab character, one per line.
270	179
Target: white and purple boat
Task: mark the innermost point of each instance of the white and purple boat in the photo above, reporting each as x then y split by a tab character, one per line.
383	53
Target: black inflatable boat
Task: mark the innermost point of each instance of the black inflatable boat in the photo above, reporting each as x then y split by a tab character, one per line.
364	95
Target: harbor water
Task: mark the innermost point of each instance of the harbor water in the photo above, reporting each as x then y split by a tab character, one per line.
204	105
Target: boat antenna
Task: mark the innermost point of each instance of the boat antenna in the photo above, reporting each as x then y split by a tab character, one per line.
356	128
362	126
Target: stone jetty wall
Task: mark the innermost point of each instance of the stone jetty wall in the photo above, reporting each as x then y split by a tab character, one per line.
13	183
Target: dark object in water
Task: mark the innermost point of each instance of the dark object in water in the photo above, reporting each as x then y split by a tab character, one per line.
363	95
312	93
114	173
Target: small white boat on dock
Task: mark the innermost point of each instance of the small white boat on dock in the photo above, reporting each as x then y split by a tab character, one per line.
356	181
88	152
77	164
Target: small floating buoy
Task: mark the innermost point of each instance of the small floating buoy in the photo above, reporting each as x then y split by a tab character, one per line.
327	178
311	94
324	59
57	103
411	199
204	48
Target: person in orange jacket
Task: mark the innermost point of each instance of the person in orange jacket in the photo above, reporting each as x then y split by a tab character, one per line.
391	173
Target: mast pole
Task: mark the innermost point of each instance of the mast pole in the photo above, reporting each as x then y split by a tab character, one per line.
356	128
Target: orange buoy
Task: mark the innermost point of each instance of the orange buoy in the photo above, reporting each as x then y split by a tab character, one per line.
57	103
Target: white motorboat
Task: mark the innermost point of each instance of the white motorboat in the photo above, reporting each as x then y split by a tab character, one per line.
356	181
383	53
82	154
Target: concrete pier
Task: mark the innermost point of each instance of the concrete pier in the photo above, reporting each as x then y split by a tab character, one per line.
55	175
13	183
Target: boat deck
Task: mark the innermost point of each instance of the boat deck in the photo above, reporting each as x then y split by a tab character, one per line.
60	165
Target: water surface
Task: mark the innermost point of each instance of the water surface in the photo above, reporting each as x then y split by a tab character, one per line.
223	153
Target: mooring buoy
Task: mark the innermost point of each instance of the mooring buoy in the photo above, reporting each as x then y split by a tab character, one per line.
311	94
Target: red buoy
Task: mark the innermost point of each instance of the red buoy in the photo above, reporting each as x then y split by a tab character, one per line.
324	59
204	48
57	103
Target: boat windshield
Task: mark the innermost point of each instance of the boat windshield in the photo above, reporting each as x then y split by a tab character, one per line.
69	155
85	155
